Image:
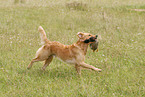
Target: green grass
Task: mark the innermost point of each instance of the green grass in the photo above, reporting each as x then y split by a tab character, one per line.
121	50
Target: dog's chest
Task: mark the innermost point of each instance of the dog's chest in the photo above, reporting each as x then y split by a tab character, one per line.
71	61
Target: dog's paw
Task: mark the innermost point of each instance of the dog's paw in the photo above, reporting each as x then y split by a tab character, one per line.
43	69
99	70
28	68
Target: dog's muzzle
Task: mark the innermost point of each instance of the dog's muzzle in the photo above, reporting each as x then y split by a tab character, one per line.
91	39
94	43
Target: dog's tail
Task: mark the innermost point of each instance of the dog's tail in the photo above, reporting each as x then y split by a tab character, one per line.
43	36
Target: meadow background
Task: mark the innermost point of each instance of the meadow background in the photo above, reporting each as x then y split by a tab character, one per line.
121	50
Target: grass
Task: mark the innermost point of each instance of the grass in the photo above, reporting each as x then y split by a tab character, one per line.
121	50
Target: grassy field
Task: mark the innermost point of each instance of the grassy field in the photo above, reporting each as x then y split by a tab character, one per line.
121	51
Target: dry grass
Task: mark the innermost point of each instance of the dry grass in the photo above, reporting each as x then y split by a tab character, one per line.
140	10
76	6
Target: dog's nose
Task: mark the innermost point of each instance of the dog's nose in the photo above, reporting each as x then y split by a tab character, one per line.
92	39
96	36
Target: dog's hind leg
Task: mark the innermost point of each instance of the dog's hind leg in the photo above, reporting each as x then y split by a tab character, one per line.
78	69
47	62
41	55
33	60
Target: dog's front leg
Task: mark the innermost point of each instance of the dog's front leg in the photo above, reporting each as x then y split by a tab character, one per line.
78	69
87	66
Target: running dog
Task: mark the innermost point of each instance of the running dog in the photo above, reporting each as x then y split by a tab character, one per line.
72	54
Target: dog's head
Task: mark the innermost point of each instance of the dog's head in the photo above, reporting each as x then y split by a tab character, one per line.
89	39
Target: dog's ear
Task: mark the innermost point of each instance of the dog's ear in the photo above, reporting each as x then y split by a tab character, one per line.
80	34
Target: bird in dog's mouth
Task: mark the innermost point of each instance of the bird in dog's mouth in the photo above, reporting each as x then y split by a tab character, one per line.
93	43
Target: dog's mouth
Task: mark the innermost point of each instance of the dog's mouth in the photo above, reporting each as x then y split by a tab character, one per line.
91	39
93	43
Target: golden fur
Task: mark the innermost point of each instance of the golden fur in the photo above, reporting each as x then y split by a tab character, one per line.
72	54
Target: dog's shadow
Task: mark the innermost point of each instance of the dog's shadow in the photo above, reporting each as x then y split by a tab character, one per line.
50	72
